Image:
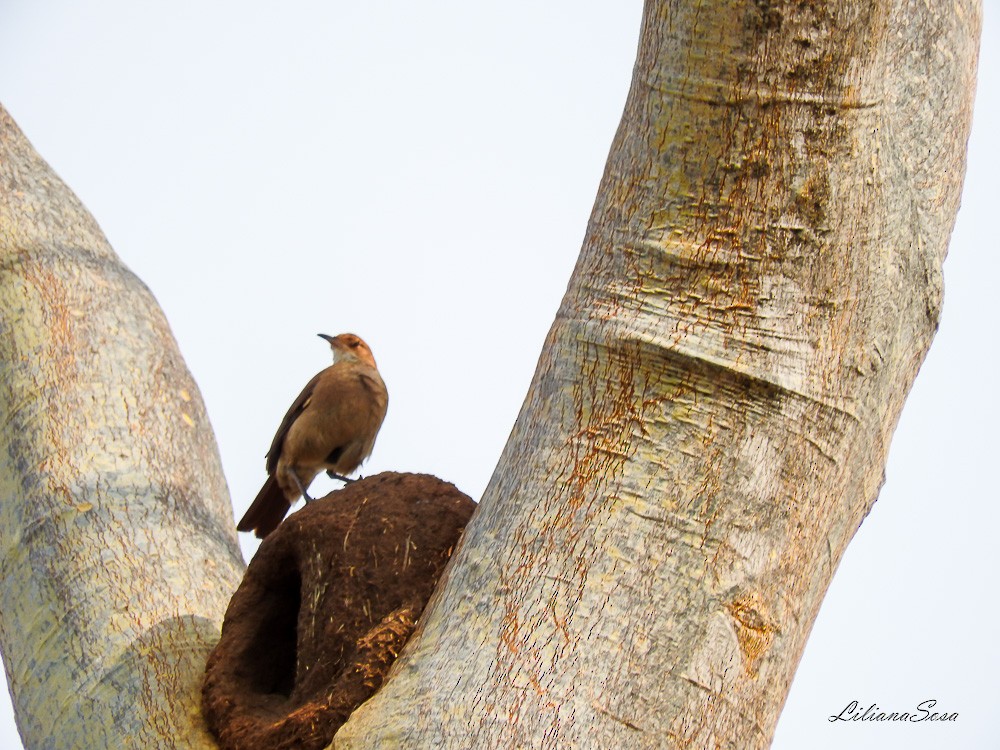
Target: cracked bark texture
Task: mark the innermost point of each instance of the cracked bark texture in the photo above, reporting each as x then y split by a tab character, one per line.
709	420
118	552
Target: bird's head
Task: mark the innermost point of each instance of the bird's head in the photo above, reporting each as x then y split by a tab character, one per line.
348	346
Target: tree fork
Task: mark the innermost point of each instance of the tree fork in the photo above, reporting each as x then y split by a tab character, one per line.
706	429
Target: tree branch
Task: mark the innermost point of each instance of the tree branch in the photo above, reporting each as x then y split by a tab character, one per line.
117	547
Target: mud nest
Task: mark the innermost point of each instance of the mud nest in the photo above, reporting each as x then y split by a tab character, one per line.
324	608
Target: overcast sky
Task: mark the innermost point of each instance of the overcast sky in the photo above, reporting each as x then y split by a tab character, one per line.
422	174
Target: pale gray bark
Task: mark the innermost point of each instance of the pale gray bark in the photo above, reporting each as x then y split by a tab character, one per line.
709	421
118	553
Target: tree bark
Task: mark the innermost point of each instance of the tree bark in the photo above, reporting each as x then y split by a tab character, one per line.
118	552
709	420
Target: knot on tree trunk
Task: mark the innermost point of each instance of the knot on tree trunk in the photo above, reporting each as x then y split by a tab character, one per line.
324	608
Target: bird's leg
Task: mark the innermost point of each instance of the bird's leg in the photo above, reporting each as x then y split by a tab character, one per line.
298	483
341	477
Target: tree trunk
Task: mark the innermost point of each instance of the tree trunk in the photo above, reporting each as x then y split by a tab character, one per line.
118	552
709	420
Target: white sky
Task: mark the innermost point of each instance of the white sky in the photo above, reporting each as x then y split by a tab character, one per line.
422	174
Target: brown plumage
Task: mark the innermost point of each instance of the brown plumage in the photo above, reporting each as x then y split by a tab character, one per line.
330	427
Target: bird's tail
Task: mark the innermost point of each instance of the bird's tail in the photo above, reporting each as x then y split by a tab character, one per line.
266	511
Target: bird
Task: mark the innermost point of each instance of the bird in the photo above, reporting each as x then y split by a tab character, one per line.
330	427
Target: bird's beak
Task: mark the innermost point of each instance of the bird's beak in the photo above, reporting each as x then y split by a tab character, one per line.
324	336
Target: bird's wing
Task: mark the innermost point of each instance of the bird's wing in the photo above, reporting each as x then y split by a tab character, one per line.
297	407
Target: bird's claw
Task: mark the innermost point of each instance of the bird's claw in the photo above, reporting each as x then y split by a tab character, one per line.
341	477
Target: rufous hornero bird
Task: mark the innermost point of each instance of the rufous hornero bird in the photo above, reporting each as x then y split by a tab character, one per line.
330	427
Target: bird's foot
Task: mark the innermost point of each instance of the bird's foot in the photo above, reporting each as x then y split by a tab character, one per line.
341	477
302	490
